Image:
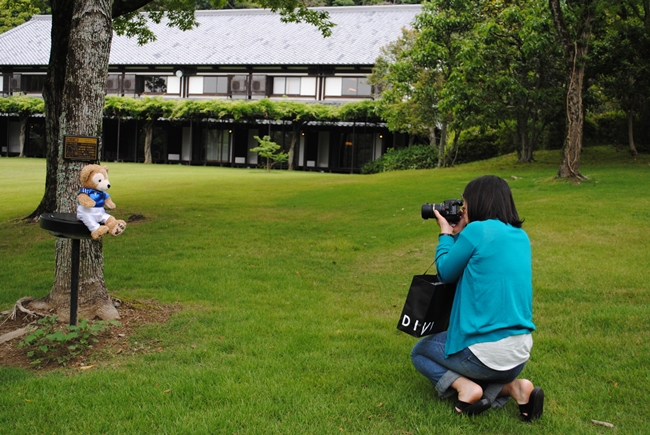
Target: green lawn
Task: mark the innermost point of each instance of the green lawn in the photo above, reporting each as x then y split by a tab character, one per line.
292	284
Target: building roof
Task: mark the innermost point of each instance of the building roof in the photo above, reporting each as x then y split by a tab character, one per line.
235	37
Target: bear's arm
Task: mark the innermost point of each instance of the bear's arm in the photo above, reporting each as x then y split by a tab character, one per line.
109	204
85	200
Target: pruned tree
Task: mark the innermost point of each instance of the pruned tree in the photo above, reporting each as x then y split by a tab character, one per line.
270	151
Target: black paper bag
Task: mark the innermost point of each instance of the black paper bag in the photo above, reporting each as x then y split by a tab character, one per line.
427	307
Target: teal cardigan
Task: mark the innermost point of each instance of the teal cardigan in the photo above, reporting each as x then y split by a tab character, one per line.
492	263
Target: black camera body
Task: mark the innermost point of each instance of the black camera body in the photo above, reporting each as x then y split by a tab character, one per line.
450	210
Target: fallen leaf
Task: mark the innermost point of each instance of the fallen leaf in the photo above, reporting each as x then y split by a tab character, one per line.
166	391
602	423
87	367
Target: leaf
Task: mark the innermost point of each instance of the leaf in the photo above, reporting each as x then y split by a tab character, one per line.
87	367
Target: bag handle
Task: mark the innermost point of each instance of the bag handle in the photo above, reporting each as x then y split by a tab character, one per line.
425	272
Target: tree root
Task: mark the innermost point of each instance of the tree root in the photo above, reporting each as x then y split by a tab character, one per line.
20	307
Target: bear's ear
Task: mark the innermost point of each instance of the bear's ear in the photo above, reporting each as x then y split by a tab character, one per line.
105	168
85	174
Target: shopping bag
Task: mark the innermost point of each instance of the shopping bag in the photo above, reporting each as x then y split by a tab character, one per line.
427	307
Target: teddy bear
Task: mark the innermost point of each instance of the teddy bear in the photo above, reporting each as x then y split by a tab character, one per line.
93	200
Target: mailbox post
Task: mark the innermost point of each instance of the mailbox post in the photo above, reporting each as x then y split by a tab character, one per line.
67	226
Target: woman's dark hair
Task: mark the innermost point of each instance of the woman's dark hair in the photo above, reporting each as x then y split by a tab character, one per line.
489	197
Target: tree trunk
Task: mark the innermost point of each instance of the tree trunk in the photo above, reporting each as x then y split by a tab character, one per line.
441	147
74	100
23	134
432	137
524	142
292	147
570	166
52	96
575	52
630	132
148	139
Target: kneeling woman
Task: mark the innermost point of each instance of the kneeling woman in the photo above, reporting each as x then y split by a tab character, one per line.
489	337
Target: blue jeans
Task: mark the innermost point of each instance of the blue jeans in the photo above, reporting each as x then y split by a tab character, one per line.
428	357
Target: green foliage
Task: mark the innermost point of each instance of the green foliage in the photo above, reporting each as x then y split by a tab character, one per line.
270	150
474	145
15	12
413	157
239	110
53	342
21	105
408	94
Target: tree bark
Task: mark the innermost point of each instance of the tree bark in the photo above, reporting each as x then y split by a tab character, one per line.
441	147
74	100
52	95
148	139
575	52
570	166
523	139
23	134
630	132
432	137
292	146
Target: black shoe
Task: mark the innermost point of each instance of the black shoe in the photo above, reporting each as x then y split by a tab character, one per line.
535	406
475	408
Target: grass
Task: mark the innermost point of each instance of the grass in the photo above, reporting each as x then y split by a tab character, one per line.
292	284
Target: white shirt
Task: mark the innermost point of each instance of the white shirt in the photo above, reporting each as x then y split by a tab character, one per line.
504	354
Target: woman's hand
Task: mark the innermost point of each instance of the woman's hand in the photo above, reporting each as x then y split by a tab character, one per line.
462	223
445	227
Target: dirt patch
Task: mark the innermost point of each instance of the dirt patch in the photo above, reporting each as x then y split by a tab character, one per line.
114	341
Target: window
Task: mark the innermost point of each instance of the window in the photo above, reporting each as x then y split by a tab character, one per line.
155	84
347	86
217	145
34	83
215	85
258	85
295	86
239	84
174	85
113	83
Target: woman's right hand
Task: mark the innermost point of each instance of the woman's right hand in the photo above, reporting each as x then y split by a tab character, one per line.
445	227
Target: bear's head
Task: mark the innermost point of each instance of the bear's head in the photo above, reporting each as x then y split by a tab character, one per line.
95	177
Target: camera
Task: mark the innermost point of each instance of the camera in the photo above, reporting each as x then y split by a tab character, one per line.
449	209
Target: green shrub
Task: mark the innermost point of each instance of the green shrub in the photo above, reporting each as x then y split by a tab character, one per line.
473	146
50	341
413	157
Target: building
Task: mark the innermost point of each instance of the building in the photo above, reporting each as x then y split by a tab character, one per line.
232	54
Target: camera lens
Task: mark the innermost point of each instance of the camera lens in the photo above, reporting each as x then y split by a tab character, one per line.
427	211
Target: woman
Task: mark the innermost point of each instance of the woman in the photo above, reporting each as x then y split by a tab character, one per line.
489	337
